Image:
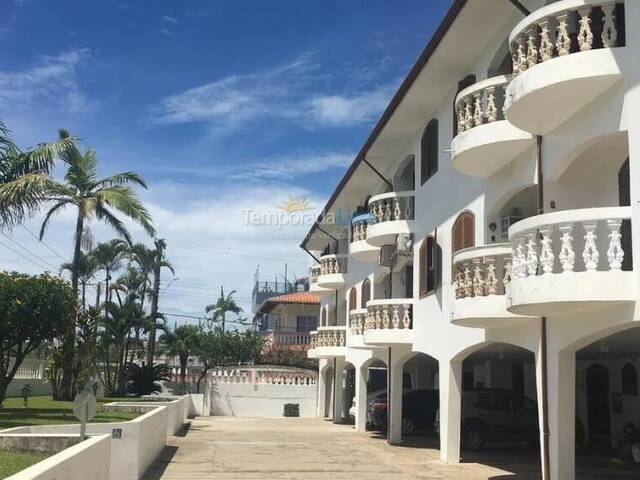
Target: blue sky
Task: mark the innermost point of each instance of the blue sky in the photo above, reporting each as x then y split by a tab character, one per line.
223	106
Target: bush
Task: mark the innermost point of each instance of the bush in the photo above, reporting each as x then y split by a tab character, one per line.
141	380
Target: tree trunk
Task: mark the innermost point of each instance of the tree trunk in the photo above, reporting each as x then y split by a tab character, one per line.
151	347
68	342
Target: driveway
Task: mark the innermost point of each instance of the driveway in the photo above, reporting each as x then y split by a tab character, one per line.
308	448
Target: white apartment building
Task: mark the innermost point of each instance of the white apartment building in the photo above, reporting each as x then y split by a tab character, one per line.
483	235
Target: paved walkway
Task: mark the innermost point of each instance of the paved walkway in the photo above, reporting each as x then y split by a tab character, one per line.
232	448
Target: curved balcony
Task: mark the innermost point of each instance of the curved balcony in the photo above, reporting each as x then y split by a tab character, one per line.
564	56
389	322
327	342
571	260
482	277
357	319
392	215
486	141
359	247
333	271
314	273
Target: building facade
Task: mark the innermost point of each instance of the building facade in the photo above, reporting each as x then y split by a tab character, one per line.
494	210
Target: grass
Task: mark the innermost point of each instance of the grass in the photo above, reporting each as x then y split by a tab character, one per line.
46	411
13	462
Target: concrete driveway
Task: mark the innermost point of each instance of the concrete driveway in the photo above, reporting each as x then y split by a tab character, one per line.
292	448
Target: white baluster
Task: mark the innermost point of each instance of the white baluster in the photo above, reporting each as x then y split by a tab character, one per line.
609	30
478	278
406	316
522	55
478	117
532	49
508	271
563	41
460	293
532	254
468	116
491	280
546	46
387	211
615	254
590	253
567	256
395	317
397	213
460	117
468	281
386	321
585	35
546	253
492	109
378	318
514	60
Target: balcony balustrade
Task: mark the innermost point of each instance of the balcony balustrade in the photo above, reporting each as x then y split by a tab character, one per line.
327	342
314	275
570	260
563	58
481	278
486	141
388	322
359	247
333	270
391	215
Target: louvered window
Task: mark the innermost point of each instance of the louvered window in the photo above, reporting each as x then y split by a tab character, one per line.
366	293
463	235
353	299
429	151
428	268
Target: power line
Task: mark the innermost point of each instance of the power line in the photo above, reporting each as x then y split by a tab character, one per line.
23	256
38	257
44	243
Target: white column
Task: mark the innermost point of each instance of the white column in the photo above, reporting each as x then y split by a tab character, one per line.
338	390
361	398
450	410
561	381
395	400
322	391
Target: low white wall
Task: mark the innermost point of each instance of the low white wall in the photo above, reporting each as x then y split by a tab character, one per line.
39	388
251	400
86	460
178	410
142	439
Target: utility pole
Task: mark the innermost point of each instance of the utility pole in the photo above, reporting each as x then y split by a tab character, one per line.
224	312
157	265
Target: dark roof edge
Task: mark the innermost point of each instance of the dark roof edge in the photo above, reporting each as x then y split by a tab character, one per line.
423	59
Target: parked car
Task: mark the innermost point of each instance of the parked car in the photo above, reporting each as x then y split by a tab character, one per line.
497	415
419	409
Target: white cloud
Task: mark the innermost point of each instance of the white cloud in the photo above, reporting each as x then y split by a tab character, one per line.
52	79
285	92
170	19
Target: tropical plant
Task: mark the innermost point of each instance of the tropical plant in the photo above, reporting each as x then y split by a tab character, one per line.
142	379
22	174
183	343
108	257
224	304
87	268
33	310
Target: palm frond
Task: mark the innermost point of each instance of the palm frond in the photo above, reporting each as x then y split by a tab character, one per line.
105	215
52	210
124	200
122	179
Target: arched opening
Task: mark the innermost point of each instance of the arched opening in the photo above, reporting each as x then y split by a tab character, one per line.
463	232
374	378
502	63
353	299
499	415
348	391
607	406
519	205
328	374
323	317
365	293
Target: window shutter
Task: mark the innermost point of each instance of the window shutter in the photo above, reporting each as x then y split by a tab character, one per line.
366	293
353	299
463	235
422	272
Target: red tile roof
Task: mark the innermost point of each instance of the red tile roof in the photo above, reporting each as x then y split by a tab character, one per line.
296	297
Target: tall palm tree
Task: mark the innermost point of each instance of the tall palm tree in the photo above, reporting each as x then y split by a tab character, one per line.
22	174
87	268
92	197
182	342
108	256
224	305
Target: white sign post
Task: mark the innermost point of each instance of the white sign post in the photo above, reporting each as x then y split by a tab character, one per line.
84	407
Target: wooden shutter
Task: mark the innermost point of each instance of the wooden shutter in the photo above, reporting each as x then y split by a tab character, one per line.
463	234
353	299
366	293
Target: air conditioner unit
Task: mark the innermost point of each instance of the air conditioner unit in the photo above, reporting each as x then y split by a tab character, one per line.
387	253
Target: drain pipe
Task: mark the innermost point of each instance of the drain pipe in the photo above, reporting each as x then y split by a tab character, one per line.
335	386
543	334
389	396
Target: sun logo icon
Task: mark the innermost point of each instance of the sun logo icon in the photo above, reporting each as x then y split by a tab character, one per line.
295	204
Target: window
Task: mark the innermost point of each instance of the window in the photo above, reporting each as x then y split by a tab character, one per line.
463	233
429	259
353	299
629	380
323	316
365	295
306	323
429	151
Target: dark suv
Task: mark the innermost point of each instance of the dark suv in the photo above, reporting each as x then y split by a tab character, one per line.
489	415
418	411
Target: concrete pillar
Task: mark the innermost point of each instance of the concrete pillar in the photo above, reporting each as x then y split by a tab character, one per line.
450	377
361	398
395	399
561	368
338	390
322	391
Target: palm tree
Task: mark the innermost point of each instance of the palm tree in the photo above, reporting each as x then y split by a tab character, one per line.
108	256
22	174
87	268
183	342
222	307
92	197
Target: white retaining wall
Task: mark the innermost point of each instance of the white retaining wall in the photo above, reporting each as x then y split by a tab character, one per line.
86	460
39	387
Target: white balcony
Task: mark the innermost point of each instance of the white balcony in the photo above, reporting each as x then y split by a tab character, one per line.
333	271
389	322
569	261
327	342
562	62
486	141
359	248
482	276
314	273
392	215
357	320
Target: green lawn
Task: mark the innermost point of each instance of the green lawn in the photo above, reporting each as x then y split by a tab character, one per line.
13	462
45	411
